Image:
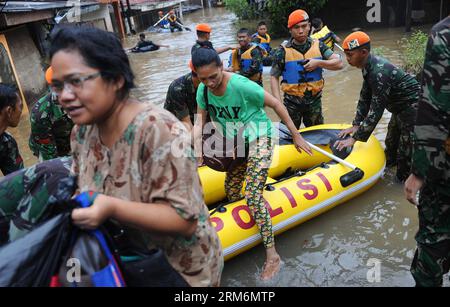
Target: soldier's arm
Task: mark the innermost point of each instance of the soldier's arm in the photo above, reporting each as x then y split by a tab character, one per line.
368	125
362	109
254	69
42	142
11	160
331	60
432	128
277	71
175	102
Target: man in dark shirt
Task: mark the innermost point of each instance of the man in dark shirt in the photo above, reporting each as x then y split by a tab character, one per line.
181	98
10	111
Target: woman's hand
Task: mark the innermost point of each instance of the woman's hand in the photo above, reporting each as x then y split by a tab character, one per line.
300	143
95	215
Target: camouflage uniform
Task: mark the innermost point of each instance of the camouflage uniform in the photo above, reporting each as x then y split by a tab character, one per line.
267	59
24	195
307	108
181	98
199	44
388	87
10	158
431	161
255	66
50	129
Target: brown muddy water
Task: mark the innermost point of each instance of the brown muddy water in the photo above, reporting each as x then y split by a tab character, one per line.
343	247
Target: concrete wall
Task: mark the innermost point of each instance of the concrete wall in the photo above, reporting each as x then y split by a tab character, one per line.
28	62
101	18
346	14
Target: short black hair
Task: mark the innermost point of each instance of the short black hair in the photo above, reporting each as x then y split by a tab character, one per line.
261	23
201	34
205	56
8	96
100	49
142	35
316	22
244	31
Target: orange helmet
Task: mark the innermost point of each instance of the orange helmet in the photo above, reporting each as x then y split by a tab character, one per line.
296	17
49	75
203	27
355	40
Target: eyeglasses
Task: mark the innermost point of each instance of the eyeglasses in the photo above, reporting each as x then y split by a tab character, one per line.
73	84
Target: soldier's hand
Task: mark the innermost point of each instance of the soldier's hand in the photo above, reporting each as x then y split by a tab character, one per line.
312	64
347	131
339	145
412	185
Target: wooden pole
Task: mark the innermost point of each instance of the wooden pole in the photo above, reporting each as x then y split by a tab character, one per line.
408	15
119	20
129	16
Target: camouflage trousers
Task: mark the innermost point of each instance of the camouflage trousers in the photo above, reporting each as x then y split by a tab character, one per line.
309	113
432	258
399	141
25	195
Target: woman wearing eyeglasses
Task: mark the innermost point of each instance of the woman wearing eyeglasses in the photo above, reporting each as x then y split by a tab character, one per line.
133	155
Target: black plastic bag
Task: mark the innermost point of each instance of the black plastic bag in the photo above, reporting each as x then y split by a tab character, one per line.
32	260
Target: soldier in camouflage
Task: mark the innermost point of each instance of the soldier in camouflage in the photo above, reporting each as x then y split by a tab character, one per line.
181	98
10	111
385	86
25	195
300	62
247	60
50	129
431	162
203	39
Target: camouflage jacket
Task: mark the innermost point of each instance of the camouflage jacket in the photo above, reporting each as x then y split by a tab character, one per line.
199	44
431	151
10	158
278	57
385	86
50	129
181	98
256	64
26	194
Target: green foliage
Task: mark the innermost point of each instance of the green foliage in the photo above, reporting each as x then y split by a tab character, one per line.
275	11
240	7
413	52
279	10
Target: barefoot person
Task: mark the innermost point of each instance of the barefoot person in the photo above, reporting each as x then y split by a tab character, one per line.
232	100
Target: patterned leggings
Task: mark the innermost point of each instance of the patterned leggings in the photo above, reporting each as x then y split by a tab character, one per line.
254	172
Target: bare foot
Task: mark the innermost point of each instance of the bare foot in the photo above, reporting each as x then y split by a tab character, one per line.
271	268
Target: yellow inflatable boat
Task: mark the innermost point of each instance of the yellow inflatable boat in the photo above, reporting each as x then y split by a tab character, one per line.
299	187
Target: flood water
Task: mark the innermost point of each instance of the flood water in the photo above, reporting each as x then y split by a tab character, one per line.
337	248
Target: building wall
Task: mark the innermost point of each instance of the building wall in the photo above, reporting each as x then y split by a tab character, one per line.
392	13
28	62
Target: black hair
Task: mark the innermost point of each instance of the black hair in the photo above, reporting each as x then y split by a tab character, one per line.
202	34
8	96
261	23
316	22
364	46
194	74
244	31
205	56
142	35
100	49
